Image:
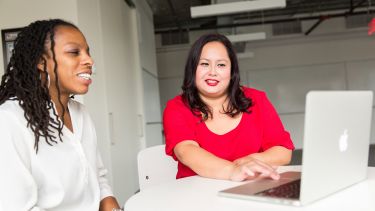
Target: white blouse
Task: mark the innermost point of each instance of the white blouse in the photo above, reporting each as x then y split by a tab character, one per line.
66	176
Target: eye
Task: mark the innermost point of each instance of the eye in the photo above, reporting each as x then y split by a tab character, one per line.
204	64
74	52
221	65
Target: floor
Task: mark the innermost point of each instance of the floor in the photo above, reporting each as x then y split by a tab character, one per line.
297	156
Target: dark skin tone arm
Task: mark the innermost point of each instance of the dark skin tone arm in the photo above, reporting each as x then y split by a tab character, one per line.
108	203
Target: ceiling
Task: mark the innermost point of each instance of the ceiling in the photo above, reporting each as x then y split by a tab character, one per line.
174	15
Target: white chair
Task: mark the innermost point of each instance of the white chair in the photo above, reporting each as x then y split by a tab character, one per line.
155	167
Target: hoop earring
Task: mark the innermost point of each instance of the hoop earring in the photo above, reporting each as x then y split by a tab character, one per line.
48	79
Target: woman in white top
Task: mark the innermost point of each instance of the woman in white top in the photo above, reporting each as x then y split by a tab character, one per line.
48	153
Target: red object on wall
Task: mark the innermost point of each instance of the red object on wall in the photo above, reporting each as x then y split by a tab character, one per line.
371	27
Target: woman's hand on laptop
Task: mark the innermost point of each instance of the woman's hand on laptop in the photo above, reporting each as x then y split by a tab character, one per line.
250	168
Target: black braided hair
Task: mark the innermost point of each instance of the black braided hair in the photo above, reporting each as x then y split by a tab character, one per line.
22	80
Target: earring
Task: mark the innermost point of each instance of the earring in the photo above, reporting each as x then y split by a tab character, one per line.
48	79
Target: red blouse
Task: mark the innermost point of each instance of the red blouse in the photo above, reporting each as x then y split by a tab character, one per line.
257	131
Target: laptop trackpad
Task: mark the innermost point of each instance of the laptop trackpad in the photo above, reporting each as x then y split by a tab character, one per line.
262	186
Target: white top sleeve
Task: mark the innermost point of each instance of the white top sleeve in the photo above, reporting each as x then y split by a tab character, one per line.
18	188
105	189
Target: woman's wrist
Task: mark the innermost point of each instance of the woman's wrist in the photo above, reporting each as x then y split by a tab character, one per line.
245	159
232	172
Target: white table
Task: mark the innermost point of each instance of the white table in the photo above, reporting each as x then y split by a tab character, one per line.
198	193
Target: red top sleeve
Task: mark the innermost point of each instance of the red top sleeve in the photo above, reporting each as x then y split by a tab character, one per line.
274	133
179	124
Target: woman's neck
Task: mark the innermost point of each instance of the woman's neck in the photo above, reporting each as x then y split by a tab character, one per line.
63	107
60	106
216	103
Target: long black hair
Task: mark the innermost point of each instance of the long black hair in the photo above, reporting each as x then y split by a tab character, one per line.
237	101
22	80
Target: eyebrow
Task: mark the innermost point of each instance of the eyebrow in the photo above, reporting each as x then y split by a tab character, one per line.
72	43
224	60
77	44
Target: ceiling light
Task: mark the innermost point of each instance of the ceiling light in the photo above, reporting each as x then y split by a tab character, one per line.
235	7
246	37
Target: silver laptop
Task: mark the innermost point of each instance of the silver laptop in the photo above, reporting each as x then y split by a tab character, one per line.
335	151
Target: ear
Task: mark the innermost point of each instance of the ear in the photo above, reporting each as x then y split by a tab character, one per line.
42	64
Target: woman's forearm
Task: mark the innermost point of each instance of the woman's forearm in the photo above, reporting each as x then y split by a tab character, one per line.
202	162
208	165
108	203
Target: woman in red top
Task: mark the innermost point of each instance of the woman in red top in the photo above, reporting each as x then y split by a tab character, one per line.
219	129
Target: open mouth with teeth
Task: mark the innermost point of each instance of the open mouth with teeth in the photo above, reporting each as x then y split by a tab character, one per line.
85	76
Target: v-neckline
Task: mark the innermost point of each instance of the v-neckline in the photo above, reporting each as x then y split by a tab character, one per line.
65	128
230	131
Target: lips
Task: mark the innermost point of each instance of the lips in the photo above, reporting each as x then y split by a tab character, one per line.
85	76
212	82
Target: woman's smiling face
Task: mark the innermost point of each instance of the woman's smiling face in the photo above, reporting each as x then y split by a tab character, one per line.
74	63
213	72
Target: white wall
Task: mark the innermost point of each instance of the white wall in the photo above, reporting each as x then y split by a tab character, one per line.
287	67
121	67
150	84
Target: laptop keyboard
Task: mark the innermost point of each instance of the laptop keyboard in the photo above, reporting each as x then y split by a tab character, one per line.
288	190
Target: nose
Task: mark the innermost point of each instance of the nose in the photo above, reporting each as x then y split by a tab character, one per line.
212	71
87	60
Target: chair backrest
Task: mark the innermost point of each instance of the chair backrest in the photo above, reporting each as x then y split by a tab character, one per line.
155	167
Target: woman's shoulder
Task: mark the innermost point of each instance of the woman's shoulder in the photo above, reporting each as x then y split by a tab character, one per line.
11	108
14	132
10	104
176	103
252	93
77	106
12	117
79	109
